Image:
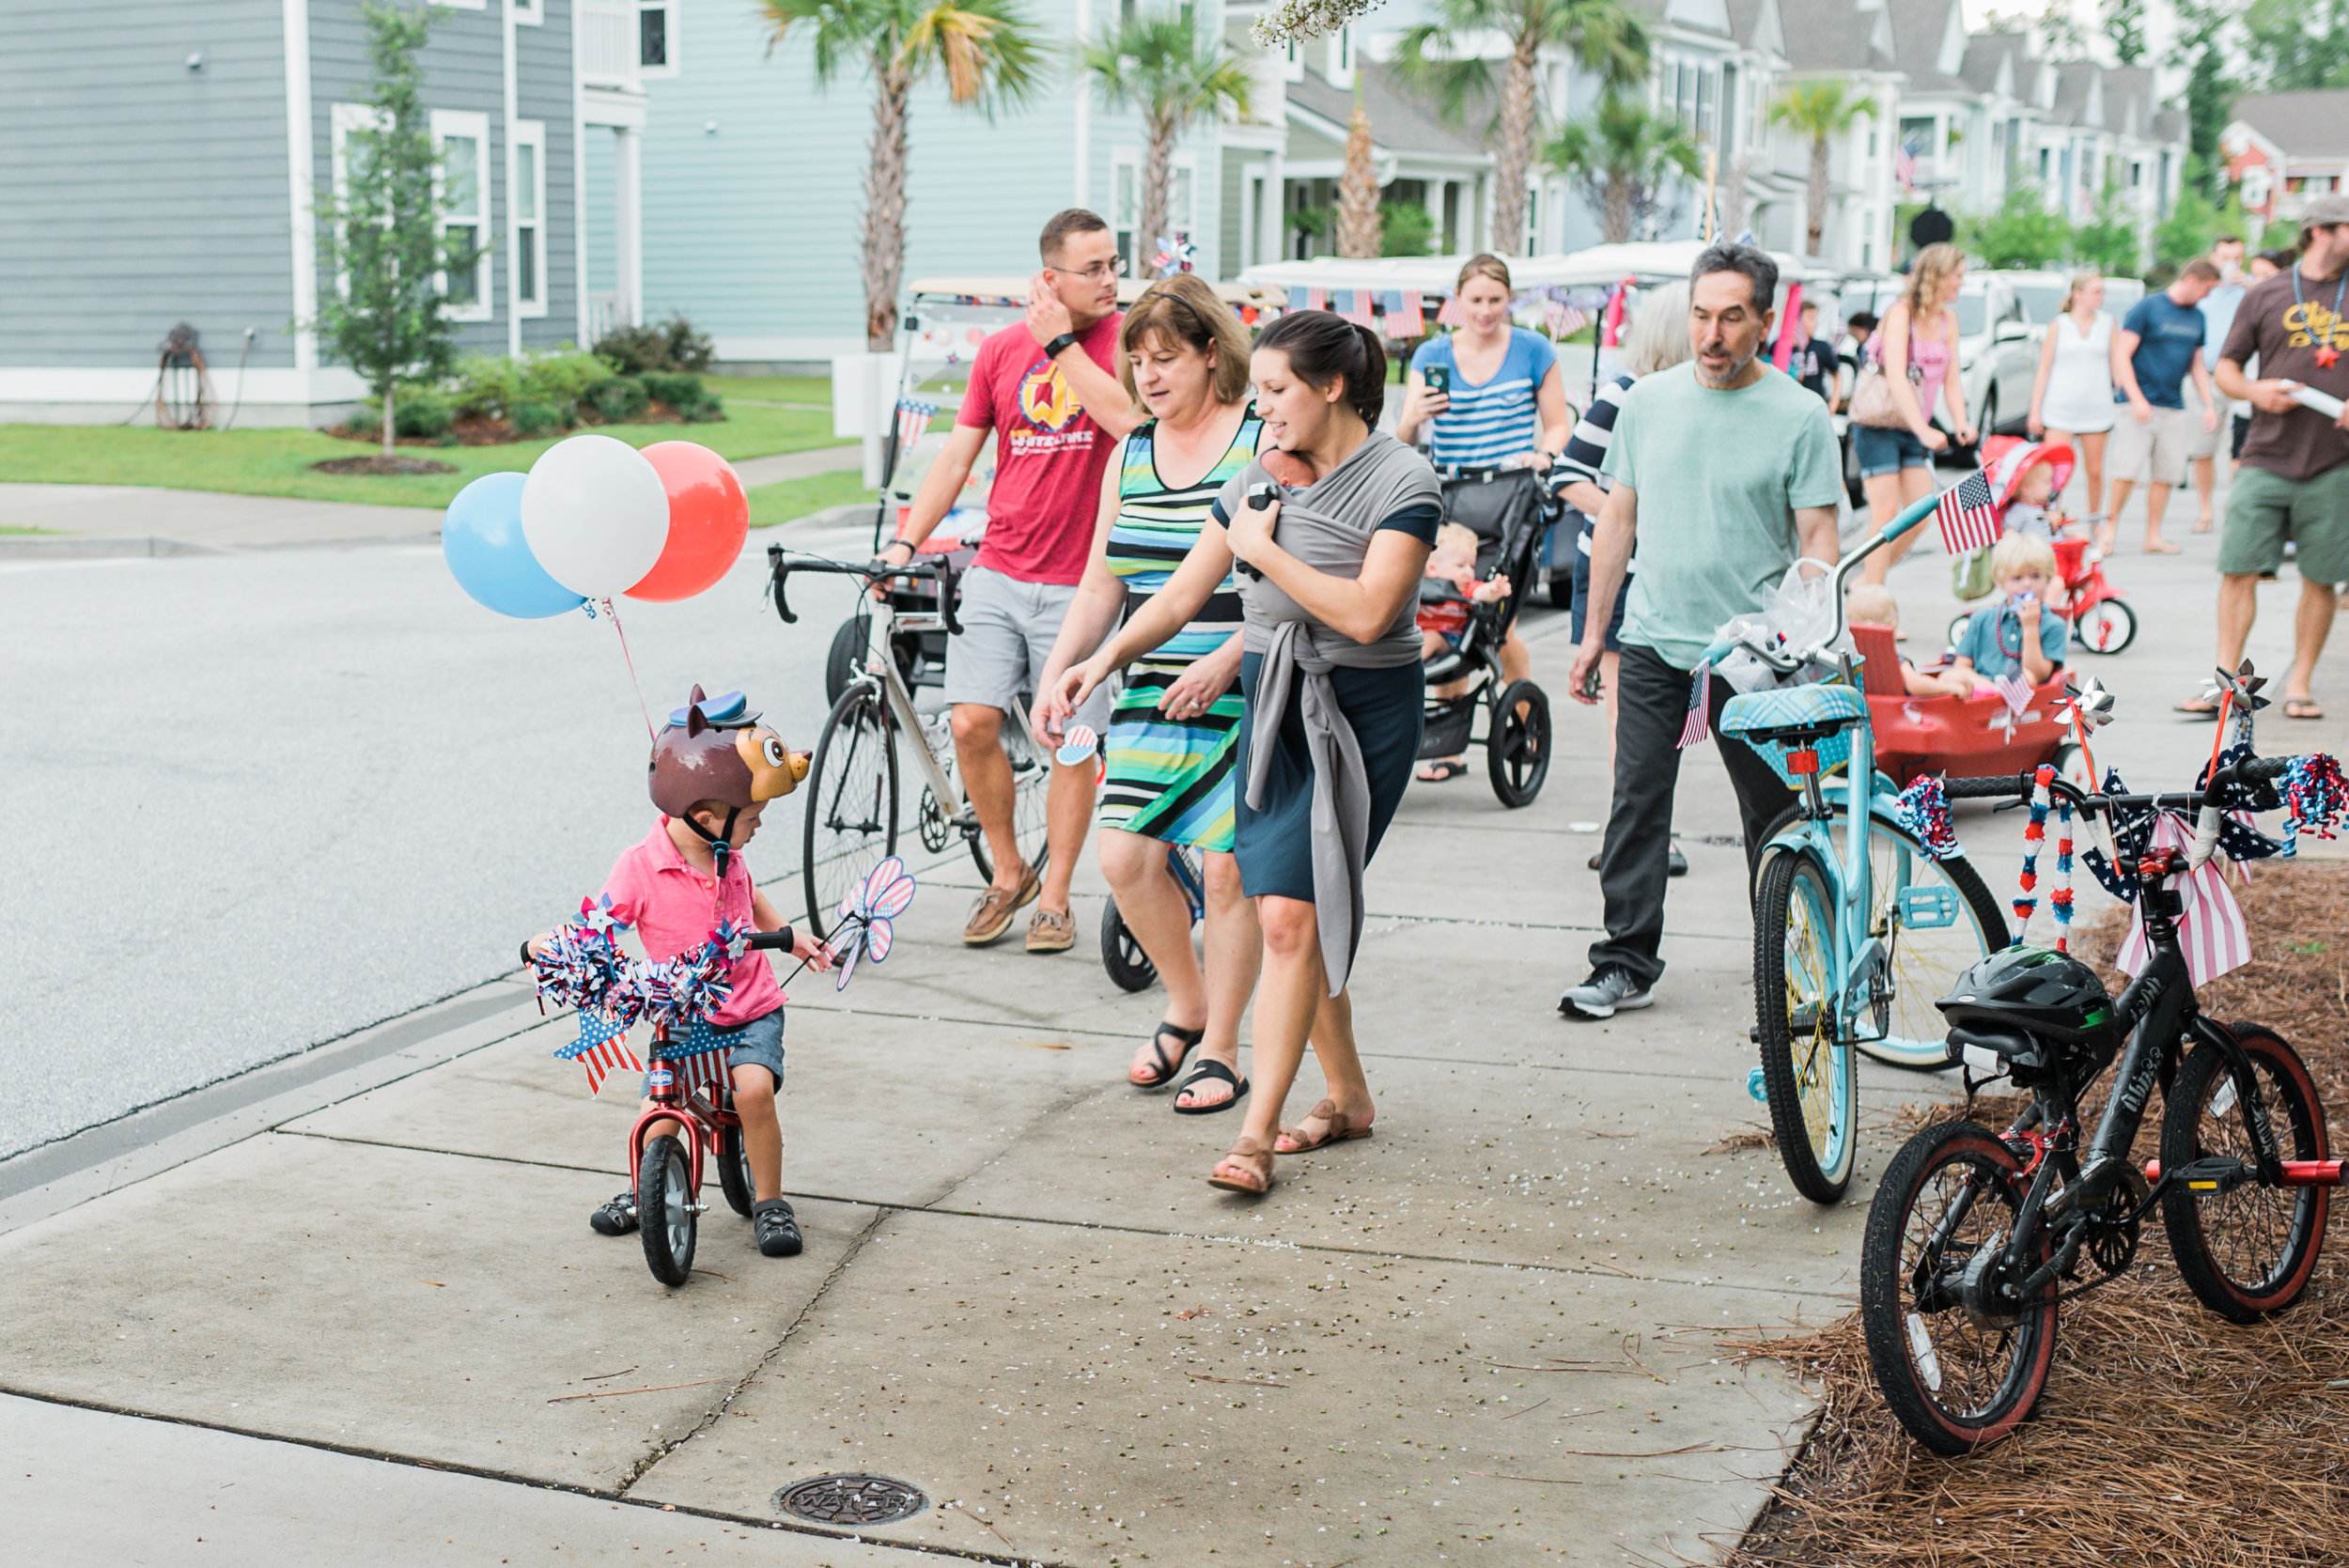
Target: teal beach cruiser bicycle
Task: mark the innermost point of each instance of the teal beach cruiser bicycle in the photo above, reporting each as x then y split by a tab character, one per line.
1862	919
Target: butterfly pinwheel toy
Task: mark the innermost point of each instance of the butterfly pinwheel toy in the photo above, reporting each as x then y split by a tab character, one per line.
866	915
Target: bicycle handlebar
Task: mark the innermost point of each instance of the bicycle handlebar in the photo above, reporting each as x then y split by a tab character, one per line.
772	941
2018	786
780	563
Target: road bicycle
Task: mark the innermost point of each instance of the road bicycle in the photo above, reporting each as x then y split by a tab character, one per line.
1975	1237
851	816
1857	923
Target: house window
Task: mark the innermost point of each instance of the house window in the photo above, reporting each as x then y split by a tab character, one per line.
527	12
1729	111
528	207
1293	63
652	36
463	139
2137	173
1705	103
1125	207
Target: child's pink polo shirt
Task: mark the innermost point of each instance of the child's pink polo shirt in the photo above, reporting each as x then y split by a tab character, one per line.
675	907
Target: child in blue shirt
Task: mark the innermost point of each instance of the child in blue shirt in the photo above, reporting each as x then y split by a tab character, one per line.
2016	630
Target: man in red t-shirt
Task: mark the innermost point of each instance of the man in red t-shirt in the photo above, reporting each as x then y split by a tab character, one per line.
1047	391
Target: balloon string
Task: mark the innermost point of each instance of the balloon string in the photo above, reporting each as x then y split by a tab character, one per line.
631	669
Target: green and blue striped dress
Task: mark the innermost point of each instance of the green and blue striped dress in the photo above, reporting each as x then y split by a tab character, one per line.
1168	777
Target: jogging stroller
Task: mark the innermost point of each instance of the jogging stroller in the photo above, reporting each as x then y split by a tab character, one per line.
1505	509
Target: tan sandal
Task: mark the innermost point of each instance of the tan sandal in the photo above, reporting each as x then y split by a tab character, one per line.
1342	1130
1251	1157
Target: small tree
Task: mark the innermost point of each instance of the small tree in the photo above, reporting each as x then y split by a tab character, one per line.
2108	242
1167	68
2187	233
1601	36
1405	229
1621	160
2209	95
1819	110
989	56
382	234
1357	189
2023	232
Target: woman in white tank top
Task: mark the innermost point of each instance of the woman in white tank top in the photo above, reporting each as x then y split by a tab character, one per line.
2071	400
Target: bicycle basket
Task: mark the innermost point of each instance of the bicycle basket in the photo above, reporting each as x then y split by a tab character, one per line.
1771	723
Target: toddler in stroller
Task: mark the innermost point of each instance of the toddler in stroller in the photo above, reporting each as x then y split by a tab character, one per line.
1473	656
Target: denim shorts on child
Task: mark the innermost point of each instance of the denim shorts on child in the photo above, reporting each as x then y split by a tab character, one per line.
1884	450
756	1044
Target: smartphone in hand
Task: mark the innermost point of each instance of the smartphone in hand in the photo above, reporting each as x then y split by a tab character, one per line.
1438	379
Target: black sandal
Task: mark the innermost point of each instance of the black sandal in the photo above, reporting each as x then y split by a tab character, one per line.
1442	770
1210	1069
1189	1037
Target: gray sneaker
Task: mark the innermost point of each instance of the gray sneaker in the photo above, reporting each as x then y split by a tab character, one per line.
1606	992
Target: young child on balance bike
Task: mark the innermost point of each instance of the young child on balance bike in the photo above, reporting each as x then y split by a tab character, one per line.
714	768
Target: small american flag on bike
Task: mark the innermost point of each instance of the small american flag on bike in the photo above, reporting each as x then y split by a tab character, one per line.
1698	724
1968	515
2211	931
913	420
704	1071
601	1048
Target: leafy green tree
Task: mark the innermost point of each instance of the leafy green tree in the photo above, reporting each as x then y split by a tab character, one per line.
2022	232
1173	73
1601	36
2200	47
1620	159
1819	110
2125	29
988	57
382	236
2108	242
2290	45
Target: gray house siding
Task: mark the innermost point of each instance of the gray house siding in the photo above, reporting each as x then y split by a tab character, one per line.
542	59
138	193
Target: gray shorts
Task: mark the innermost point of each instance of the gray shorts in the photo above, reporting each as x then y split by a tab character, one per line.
2155	449
1008	629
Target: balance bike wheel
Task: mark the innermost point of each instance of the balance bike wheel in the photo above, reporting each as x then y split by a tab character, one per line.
733	1171
1122	956
664	1210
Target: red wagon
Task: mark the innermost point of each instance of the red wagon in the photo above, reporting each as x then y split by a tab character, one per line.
1960	736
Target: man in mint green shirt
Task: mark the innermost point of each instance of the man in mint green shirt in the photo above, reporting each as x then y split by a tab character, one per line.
1725	475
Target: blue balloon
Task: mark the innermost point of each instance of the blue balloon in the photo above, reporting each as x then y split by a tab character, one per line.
481	538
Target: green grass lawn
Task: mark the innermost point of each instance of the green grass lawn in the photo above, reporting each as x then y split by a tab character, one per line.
810	391
794	499
278	462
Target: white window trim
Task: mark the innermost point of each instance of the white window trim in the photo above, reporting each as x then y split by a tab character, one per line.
527	13
673	37
530	134
1293	61
468	122
463	5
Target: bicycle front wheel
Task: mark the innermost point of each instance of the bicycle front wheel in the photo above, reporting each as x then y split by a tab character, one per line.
850	820
2247	1252
1805	1069
1959	1362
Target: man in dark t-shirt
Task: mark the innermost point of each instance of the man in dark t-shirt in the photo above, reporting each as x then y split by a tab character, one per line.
1814	362
2292	481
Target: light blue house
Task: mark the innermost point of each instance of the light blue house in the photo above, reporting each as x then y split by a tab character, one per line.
159	158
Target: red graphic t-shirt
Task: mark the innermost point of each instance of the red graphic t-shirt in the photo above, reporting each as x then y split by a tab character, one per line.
1049	455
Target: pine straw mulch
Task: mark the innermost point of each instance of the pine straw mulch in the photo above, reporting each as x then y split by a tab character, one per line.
2166	1434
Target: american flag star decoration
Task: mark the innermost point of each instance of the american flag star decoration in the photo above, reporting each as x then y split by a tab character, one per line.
1967	513
865	917
1698	723
601	1048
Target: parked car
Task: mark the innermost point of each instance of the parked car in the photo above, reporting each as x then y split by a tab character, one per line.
2040	294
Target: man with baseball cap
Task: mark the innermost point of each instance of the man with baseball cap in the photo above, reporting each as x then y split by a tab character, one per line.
2292	480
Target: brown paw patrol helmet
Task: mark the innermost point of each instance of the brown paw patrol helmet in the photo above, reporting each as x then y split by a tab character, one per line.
715	749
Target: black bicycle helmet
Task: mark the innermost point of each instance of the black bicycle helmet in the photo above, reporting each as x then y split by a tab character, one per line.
2035	990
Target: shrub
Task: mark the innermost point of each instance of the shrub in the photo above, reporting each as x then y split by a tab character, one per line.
420	412
563	378
707	409
617	399
1405	229
672	345
486	386
532	419
680	392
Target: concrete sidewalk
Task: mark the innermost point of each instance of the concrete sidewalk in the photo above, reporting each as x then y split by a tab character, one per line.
1488	1333
133	520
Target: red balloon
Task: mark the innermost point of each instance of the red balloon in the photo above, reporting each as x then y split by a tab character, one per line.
709	517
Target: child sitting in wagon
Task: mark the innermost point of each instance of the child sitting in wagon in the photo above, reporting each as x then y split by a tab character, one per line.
1871	604
2017	632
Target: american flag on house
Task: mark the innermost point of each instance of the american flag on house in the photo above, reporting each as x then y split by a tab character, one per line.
1967	513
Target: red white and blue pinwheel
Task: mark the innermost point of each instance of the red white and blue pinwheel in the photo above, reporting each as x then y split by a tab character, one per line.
866	915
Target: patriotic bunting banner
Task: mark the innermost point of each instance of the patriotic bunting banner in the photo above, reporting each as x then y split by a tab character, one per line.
1450	314
914	422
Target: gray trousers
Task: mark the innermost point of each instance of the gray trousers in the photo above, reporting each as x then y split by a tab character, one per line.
1651	706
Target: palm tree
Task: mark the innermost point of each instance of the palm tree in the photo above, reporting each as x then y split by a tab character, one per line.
1601	35
1620	158
1359	219
1821	110
989	56
1162	65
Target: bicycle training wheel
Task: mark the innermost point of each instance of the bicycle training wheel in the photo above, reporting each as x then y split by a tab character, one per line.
849	817
1958	1361
2107	626
1924	959
1030	784
664	1210
2251	1252
1127	965
1806	1071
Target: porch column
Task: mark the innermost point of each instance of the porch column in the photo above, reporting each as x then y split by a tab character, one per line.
628	239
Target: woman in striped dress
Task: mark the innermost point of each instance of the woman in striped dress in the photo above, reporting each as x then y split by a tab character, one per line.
1175	729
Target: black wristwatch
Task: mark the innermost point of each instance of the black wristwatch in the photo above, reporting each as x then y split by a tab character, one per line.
1064	341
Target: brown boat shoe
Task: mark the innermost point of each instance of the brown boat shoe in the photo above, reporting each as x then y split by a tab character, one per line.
990	916
1050	931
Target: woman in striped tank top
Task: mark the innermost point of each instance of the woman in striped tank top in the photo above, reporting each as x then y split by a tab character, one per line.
1175	729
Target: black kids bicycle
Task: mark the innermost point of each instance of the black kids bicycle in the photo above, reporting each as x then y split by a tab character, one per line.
1976	1238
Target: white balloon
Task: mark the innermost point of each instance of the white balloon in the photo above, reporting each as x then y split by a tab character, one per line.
595	514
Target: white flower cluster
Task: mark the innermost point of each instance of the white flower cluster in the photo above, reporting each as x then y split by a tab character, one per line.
1300	20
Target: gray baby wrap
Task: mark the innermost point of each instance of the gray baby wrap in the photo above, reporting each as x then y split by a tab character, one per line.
1328	526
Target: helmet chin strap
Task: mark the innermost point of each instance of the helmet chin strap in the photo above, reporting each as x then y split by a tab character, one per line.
720	849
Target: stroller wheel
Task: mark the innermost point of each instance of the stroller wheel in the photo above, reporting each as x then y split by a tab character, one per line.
1122	956
1516	743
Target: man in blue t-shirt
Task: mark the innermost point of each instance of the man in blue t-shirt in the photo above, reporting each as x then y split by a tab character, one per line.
2158	345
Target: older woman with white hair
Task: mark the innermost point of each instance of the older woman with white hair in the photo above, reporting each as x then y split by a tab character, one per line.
1659	340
